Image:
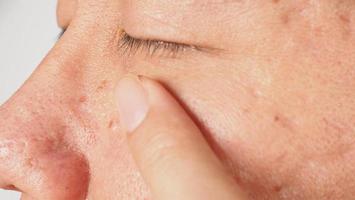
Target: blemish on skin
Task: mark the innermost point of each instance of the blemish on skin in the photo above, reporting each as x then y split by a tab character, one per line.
344	18
276	1
103	85
31	162
113	124
346	21
277	188
246	110
285	18
283	122
110	125
82	99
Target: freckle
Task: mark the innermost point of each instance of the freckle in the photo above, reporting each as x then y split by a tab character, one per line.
275	1
276	118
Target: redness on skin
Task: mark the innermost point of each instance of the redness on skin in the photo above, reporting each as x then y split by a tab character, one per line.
82	99
346	21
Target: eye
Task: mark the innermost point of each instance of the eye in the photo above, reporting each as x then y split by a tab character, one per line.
130	45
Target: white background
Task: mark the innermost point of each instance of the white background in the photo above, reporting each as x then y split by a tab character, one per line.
27	31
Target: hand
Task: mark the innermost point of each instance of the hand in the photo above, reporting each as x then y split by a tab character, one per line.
169	149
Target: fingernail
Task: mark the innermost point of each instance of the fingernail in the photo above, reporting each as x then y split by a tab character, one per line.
132	102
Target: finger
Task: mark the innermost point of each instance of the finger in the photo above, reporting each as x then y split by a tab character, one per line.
175	160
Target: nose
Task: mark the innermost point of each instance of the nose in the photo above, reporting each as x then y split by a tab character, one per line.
40	155
48	127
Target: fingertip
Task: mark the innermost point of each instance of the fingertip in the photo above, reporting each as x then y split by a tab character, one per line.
132	102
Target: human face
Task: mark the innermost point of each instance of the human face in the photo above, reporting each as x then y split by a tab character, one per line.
271	84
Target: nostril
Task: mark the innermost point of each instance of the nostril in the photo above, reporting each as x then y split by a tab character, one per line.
55	175
43	166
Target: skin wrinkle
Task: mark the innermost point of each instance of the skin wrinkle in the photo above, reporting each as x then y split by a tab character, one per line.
158	17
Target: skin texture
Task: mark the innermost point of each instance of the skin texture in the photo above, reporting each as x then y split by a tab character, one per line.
272	91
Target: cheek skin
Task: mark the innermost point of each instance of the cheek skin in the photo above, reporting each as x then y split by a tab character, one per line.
274	120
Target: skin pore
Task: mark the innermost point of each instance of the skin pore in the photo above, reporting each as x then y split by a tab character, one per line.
269	83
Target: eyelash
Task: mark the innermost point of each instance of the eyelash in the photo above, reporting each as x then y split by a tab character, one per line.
130	45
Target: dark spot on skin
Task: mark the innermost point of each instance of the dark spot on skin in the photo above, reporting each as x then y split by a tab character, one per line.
344	18
110	125
103	85
285	18
346	21
245	110
276	1
277	188
283	122
82	99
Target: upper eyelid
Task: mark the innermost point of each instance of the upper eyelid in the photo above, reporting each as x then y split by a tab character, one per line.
125	34
131	45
